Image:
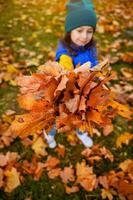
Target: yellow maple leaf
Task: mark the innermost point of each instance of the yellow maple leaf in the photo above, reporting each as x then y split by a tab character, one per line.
106	194
12	179
123	139
39	147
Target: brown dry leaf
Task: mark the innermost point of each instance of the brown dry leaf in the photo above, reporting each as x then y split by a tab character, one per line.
32	83
107	129
51	163
103	181
30	102
61	150
8	158
49	90
3	161
124	139
67	174
107	154
125	187
82	105
73	104
85	176
53	173
12	179
39	147
38	171
51	68
94	158
87	152
72	189
62	84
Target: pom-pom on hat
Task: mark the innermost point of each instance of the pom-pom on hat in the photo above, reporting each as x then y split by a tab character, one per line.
80	13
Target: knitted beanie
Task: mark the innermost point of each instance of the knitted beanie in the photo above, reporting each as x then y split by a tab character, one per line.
80	13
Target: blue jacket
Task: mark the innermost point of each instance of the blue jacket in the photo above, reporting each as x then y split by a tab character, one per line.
82	55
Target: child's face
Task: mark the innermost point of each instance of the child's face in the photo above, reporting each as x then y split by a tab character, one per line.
82	35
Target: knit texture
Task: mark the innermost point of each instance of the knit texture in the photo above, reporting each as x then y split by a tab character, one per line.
80	13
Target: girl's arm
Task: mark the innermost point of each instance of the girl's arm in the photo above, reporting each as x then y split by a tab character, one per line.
66	62
94	59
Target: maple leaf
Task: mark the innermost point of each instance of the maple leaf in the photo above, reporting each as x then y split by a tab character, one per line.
125	187
67	174
62	84
107	154
53	173
85	176
123	139
72	189
3	161
12	179
106	194
122	110
39	147
23	127
127	167
33	83
30	102
38	171
107	129
73	104
87	152
51	163
103	180
61	150
94	116
51	68
9	157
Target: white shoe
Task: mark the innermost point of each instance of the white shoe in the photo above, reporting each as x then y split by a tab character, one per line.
86	140
49	139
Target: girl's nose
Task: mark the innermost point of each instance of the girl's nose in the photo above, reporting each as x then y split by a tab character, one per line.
84	35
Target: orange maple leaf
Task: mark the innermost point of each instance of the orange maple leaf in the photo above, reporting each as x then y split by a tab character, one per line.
51	162
53	173
67	174
85	176
72	189
61	150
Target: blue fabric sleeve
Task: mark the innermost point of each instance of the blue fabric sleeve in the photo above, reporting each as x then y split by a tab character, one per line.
94	59
60	51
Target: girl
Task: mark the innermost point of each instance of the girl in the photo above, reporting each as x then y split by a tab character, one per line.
76	48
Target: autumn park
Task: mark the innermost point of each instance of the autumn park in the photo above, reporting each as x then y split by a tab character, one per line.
36	92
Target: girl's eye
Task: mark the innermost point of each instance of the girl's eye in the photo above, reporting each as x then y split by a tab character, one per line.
89	31
79	31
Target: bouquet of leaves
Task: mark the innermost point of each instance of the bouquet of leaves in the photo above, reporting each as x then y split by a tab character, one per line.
76	99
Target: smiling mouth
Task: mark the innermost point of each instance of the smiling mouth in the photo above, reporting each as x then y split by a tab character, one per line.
83	42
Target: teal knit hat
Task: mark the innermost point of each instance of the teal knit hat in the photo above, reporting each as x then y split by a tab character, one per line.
80	13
